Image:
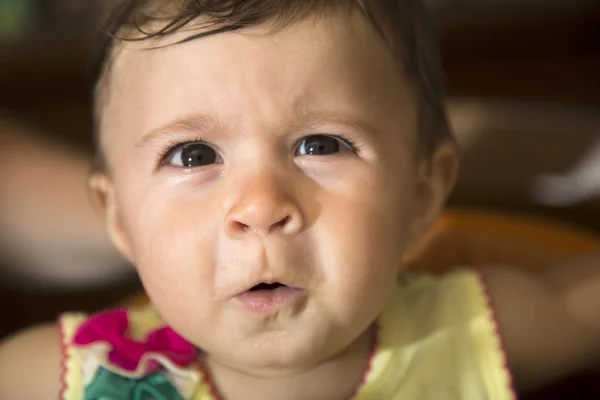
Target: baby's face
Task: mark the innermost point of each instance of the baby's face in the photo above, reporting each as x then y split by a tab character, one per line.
254	157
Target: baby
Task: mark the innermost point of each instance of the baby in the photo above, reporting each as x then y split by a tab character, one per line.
265	165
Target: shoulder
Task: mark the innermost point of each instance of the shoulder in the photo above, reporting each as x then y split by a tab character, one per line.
31	356
62	359
543	341
449	320
433	303
460	287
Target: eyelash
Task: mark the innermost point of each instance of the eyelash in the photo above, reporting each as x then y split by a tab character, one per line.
170	147
347	141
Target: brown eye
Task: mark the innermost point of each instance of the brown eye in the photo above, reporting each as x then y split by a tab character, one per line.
321	145
193	155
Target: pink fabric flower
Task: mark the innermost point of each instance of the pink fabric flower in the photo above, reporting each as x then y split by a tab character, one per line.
111	327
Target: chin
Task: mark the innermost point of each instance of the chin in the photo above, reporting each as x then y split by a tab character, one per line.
276	353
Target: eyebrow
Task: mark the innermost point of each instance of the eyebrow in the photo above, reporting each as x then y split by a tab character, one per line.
313	119
191	123
203	123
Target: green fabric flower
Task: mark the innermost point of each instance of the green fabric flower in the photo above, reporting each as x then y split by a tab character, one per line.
109	386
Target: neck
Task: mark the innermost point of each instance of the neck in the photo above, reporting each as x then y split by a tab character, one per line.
336	378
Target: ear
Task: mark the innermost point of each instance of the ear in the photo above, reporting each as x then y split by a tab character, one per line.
103	197
436	176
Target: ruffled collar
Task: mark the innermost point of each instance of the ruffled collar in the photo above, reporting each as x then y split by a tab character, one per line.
110	357
127	355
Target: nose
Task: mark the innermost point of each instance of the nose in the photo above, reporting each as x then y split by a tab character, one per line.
262	207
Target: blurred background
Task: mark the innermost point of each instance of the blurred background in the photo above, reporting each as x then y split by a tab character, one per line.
49	233
524	80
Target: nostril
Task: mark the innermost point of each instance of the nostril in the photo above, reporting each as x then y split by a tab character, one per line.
262	223
239	226
283	222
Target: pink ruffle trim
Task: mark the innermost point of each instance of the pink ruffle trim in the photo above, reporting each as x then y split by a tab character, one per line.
502	345
111	327
64	358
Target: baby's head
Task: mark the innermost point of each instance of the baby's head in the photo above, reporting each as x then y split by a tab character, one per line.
265	164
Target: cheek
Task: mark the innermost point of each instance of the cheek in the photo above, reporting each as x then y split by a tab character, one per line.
368	243
373	211
170	238
175	259
361	261
364	235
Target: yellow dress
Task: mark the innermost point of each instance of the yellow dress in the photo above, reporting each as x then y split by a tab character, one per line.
436	340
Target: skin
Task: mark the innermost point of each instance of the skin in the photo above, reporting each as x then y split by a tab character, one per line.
334	225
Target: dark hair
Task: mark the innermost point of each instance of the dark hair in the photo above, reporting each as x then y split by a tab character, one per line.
404	25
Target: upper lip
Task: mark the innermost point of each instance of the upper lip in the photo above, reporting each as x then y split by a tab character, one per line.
260	267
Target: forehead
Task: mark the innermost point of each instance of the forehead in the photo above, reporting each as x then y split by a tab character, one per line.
335	63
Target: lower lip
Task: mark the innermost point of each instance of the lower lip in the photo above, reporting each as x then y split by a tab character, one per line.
265	301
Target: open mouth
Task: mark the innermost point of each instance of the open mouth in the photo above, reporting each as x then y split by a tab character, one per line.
266	286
